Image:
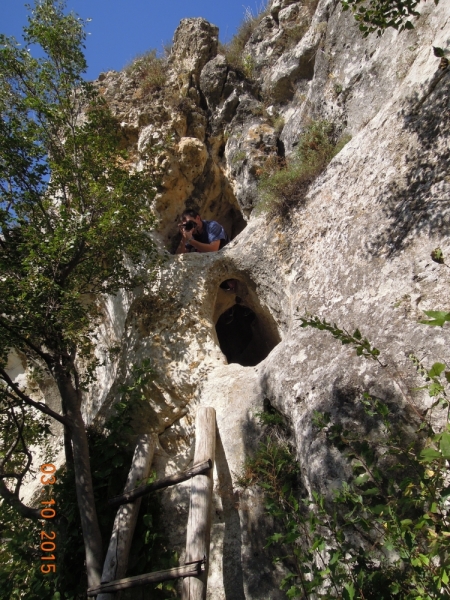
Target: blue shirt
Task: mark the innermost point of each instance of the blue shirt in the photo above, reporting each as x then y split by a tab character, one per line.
211	232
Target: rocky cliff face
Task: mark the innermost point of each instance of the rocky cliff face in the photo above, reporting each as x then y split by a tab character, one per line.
355	250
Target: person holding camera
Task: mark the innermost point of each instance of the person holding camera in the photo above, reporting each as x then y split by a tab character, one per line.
200	236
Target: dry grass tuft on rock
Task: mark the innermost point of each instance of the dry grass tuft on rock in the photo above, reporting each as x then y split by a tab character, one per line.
149	71
284	182
234	49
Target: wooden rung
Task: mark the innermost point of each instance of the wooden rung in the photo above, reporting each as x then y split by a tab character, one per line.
193	569
161	483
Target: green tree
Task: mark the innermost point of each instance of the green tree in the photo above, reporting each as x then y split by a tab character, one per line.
74	223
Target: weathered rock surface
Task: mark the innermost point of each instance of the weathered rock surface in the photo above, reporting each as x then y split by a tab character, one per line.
356	250
212	80
194	44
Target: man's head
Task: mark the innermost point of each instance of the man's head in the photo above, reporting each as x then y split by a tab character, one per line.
192	216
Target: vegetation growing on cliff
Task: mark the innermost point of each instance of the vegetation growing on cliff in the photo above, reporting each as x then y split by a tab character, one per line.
386	532
234	49
284	182
379	15
74	224
149	71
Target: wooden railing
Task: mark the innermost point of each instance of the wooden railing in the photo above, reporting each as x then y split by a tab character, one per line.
161	483
195	570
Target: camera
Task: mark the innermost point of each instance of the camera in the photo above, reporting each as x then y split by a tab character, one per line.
189	225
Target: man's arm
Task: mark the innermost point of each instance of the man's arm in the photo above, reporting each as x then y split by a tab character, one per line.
181	247
200	247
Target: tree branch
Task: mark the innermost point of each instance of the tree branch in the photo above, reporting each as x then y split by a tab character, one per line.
67	269
44	355
39	405
8	453
25	449
15	502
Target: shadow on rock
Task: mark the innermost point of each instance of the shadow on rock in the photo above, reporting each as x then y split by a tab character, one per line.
233	580
418	202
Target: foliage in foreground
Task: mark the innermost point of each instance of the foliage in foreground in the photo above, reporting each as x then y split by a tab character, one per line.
378	15
74	224
111	451
283	184
386	534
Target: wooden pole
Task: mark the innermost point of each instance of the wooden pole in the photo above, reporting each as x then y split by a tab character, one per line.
160	484
103	589
199	520
116	560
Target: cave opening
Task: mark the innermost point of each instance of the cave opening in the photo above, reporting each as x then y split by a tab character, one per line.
246	332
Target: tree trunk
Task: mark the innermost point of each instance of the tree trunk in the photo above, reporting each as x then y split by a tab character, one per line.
116	560
83	478
68	451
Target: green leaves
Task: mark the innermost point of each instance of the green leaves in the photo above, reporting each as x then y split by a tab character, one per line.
444	445
436	384
74	222
362	345
427	455
348	592
430	454
439	52
437	318
74	217
361	479
378	15
437	254
396	503
436	370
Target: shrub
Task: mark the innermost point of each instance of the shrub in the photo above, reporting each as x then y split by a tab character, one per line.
386	533
149	71
283	183
277	123
378	15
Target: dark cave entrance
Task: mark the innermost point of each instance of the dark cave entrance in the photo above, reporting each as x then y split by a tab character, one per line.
246	332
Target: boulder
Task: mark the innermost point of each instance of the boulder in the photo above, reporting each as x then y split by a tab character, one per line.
212	80
194	44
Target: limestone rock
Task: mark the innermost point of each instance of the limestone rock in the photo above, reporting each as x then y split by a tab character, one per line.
192	157
288	14
293	65
212	80
248	154
355	250
194	44
278	5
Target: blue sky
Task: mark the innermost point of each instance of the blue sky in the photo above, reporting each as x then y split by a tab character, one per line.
122	29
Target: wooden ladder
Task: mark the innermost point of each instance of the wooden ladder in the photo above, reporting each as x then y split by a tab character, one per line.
195	570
